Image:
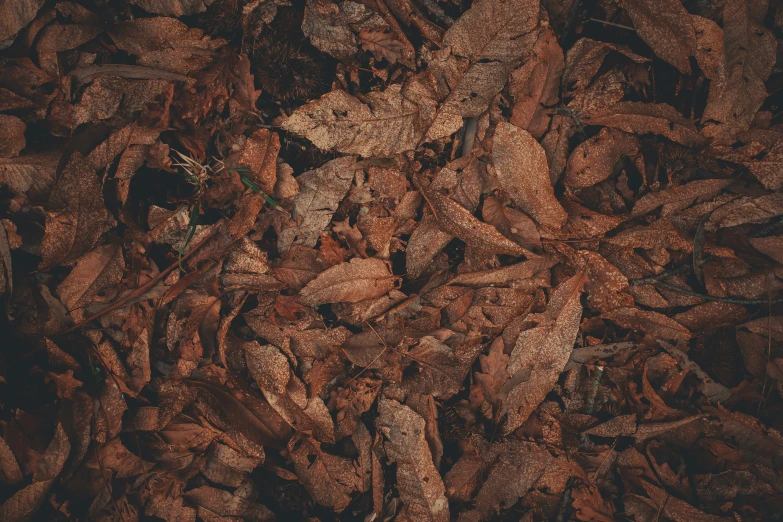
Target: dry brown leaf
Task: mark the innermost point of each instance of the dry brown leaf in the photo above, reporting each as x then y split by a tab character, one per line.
457	221
10	473
14	16
52	461
593	160
486	42
738	90
656	325
173	7
536	84
259	154
388	124
709	46
23	504
763	160
166	43
320	194
681	196
218	504
350	282
12	139
642	118
424	244
328	478
493	374
771	246
31	175
78	216
513	475
508	275
384	45
330	26
523	172
541	353
585	58
64	383
418	481
96	271
287	393
667	28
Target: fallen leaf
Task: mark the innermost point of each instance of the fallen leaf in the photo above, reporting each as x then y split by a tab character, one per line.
511	476
329	479
383	45
654	324
535	85
259	154
522	169
738	90
9	467
389	124
666	27
593	161
320	193
418	481
349	282
771	246
97	270
487	42
64	383
457	221
52	461
12	139
680	196
78	216
23	504
173	7
14	16
541	353
655	118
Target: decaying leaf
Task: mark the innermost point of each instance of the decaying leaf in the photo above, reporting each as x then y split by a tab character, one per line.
418	481
523	172
388	124
541	353
12	139
487	42
666	27
78	215
329	478
642	118
349	282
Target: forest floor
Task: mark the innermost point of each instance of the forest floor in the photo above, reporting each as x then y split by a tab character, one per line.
375	260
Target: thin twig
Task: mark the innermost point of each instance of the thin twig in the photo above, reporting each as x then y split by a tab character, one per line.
436	11
729	300
142	289
611	23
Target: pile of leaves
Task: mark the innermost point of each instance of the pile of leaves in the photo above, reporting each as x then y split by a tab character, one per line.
374	260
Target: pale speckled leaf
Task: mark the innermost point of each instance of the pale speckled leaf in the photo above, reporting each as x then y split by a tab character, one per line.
489	39
418	481
541	353
655	118
173	7
390	124
15	15
97	270
665	26
521	166
349	282
457	221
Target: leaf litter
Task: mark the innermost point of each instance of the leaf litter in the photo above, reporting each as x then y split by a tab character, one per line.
390	260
